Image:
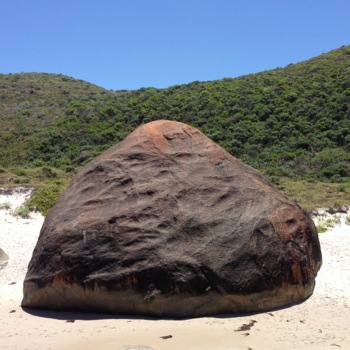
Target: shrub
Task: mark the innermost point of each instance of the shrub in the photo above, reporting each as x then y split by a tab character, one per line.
45	197
49	173
341	188
20	172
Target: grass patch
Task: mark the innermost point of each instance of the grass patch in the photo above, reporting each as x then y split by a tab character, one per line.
332	222
32	176
321	229
5	206
328	224
347	220
22	211
20	172
315	195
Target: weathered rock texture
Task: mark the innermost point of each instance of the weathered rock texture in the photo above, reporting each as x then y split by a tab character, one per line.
167	223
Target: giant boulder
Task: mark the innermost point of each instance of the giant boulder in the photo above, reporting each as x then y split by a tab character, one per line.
166	223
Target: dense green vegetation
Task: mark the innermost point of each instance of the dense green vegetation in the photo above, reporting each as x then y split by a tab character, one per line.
291	122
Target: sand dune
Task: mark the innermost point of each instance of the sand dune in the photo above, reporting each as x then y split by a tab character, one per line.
322	322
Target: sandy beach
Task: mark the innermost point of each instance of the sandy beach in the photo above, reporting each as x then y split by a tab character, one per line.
321	322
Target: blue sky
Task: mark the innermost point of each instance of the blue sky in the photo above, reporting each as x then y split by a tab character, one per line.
129	44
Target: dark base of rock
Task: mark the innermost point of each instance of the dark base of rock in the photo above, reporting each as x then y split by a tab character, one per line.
74	298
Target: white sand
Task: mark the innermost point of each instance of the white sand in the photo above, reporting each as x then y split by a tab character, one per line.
17	236
322	322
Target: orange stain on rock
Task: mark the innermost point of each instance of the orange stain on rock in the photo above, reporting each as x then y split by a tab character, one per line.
130	280
58	280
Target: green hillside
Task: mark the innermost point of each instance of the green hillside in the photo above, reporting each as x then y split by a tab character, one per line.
289	122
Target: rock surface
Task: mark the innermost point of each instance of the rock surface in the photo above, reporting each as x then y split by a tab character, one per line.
166	223
4	259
